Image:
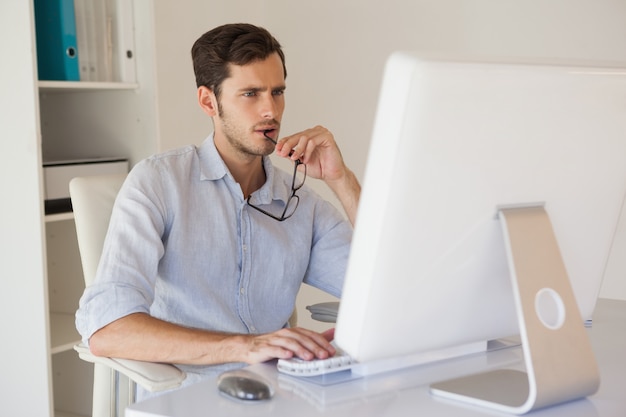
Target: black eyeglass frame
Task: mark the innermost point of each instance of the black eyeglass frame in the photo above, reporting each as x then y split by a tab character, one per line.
294	187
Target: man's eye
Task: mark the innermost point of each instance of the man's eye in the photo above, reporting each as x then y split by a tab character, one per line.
278	92
249	94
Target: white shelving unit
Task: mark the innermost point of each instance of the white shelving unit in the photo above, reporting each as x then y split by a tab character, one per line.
68	86
44	121
63	335
59	217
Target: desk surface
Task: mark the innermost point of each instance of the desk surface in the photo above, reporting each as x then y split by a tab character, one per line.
404	393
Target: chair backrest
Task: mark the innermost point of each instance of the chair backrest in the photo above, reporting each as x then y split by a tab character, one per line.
92	202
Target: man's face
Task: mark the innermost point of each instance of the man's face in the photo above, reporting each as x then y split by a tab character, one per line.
250	103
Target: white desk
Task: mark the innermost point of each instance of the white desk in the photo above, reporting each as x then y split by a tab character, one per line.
406	393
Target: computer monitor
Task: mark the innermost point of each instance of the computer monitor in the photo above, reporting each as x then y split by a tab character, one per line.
452	142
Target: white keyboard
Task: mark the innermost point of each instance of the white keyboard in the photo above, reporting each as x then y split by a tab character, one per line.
299	367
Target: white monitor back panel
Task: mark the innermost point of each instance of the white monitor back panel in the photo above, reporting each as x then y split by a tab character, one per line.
451	142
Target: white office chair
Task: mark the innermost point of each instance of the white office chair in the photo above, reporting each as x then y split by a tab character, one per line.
114	379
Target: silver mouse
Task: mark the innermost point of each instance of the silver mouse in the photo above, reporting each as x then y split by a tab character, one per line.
244	385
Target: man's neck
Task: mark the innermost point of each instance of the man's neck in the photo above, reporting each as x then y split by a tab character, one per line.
247	170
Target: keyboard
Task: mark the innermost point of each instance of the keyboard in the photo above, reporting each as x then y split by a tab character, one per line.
299	367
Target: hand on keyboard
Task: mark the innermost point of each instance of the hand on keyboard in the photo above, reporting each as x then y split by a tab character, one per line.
298	367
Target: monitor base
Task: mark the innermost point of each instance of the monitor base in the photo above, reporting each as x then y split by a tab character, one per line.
560	365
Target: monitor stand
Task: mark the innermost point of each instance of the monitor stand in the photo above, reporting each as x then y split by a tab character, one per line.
560	364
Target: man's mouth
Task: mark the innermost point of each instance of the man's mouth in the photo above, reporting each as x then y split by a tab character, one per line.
268	134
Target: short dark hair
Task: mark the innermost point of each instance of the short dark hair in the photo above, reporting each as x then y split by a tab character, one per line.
236	43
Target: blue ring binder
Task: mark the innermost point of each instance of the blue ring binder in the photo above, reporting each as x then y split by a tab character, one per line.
57	54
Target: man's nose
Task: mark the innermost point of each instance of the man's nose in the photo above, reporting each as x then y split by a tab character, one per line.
268	107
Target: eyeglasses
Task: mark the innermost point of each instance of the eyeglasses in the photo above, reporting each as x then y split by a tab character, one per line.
292	202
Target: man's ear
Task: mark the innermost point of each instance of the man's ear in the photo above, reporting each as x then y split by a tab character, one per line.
207	101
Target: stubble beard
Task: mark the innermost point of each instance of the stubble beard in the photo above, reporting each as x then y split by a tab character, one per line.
239	137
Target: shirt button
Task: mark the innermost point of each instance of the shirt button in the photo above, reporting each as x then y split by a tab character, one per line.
242	290
245	248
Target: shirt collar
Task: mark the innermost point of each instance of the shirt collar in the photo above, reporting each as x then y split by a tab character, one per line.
212	167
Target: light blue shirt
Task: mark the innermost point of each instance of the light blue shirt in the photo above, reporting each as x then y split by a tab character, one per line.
184	246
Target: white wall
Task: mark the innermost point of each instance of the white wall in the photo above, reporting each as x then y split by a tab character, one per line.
336	51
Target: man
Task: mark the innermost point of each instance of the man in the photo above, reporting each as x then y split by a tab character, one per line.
207	246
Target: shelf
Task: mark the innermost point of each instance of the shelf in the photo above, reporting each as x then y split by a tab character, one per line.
63	333
77	86
65	414
59	217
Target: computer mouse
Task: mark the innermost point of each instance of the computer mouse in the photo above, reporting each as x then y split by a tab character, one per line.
244	385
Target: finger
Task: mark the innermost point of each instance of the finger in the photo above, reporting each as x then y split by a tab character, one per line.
293	147
316	343
329	334
300	148
305	344
298	140
309	152
296	153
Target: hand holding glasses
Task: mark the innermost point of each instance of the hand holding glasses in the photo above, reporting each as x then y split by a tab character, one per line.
296	183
